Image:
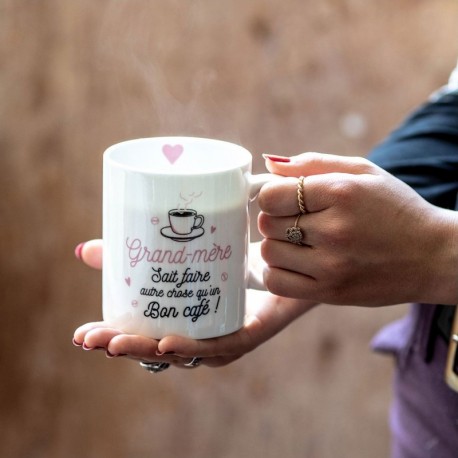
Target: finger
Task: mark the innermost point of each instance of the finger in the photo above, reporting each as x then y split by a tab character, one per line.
135	346
303	260
279	197
319	192
188	348
90	253
290	284
100	337
274	227
235	344
312	163
140	348
80	333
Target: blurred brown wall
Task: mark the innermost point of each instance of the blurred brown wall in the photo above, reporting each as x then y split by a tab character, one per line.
278	76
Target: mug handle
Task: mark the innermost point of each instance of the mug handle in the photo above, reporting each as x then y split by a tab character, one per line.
201	220
255	183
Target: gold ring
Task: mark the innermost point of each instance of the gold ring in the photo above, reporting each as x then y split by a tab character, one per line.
300	195
294	234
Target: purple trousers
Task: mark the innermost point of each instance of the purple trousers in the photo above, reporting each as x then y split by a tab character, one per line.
424	413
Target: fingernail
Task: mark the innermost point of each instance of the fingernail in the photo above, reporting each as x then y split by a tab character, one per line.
85	347
110	355
274	158
75	343
78	250
158	353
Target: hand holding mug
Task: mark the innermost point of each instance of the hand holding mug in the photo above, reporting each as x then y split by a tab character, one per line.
154	272
367	237
266	316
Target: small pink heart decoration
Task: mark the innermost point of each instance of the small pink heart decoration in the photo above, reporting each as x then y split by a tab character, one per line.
213	229
127	280
172	152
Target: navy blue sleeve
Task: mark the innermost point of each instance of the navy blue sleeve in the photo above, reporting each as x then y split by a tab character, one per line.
423	151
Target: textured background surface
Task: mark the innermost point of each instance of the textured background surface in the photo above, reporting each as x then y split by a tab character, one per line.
280	76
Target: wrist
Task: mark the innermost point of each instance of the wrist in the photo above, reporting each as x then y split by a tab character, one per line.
442	286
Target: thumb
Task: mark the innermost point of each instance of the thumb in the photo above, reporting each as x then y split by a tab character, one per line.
90	253
307	164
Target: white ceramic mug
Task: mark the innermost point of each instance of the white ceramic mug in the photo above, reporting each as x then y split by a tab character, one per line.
176	236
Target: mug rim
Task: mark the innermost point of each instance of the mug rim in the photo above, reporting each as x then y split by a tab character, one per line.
243	159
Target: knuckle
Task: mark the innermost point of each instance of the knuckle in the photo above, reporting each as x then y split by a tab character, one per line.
348	193
343	190
362	165
337	233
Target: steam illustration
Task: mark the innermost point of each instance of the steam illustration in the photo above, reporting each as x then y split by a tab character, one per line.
187	200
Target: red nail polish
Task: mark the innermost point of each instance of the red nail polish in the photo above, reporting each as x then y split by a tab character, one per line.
78	250
158	353
85	347
110	355
274	158
75	343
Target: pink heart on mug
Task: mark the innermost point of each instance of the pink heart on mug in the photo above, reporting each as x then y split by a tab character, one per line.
127	280
172	152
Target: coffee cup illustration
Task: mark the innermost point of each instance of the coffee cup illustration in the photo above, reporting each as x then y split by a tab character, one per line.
185	225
